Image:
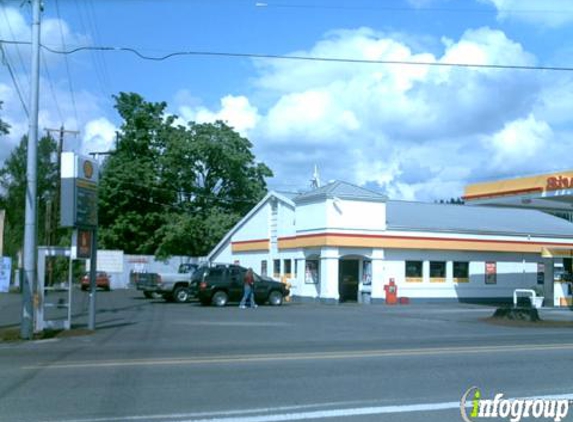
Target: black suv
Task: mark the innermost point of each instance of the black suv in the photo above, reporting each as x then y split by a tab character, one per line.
221	283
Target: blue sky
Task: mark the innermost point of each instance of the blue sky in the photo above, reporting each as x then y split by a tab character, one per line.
414	132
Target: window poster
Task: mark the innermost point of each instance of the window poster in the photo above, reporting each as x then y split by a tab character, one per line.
311	272
490	273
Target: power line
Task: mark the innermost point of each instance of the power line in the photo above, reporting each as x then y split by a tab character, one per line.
292	57
93	54
408	9
97	35
70	84
50	82
296	58
14	81
21	59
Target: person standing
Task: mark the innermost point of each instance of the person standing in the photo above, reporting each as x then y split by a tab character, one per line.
248	290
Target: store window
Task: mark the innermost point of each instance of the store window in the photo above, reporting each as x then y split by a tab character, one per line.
276	268
312	273
287	268
437	271
264	267
367	273
461	272
414	271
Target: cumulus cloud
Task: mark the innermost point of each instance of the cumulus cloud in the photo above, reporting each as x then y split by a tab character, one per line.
16	28
416	131
98	136
549	13
237	112
56	106
519	141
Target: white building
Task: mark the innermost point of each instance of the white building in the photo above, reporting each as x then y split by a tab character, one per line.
338	241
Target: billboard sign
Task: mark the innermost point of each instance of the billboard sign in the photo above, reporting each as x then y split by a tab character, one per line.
79	179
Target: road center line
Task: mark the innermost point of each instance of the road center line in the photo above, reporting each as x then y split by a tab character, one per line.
285	357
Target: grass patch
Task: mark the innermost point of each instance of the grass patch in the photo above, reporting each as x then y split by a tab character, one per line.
528	324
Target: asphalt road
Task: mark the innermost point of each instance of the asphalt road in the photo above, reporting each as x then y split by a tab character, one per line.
156	361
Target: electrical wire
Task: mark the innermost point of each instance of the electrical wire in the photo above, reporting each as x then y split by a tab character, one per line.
52	90
93	54
297	58
301	58
6	62
407	9
20	58
70	84
92	17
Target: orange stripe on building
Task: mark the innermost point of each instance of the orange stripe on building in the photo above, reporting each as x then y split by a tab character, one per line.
518	186
251	245
407	242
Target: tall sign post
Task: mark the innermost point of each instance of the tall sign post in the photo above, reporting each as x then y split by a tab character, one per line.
79	183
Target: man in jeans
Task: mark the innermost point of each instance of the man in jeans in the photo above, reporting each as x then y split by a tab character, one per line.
249	290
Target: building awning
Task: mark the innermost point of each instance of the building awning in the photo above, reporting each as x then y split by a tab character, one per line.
557	252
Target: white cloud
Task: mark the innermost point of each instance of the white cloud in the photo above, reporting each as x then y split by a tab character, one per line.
417	131
15	28
519	142
548	13
56	106
98	136
237	112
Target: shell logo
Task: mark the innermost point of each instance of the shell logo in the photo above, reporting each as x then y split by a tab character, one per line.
88	169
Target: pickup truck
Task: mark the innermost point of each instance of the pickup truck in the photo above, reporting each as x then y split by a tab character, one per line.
173	287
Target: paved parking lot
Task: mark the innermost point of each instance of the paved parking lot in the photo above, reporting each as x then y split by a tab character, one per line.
156	361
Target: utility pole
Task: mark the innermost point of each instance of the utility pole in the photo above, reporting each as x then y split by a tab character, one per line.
29	286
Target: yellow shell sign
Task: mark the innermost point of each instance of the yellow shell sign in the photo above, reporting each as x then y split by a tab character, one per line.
88	169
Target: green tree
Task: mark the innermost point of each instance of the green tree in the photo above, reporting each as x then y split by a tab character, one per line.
132	200
13	188
174	190
213	171
4	127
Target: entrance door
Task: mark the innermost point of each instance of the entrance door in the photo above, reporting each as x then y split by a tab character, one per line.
348	273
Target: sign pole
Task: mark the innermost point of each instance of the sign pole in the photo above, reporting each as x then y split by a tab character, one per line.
79	210
93	284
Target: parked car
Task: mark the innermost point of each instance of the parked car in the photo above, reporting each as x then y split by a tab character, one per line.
223	283
171	286
102	281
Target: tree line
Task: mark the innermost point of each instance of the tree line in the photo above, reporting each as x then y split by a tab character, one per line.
166	189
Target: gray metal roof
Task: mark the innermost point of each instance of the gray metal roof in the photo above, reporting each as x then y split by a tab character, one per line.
286	194
402	215
342	190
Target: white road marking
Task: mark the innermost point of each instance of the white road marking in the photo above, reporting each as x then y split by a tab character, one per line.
289	413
